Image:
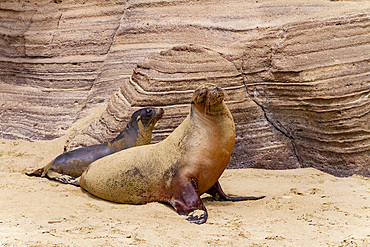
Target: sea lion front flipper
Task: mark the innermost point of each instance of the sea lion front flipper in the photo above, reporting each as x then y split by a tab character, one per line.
65	179
198	216
187	202
219	195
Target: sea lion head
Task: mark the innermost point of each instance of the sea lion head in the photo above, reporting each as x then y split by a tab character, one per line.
208	98
148	116
139	129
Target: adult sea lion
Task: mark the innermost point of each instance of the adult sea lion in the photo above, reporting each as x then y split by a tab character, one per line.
68	166
177	170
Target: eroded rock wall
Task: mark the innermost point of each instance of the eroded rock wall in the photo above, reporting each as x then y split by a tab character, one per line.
316	89
297	78
297	101
59	57
168	79
52	55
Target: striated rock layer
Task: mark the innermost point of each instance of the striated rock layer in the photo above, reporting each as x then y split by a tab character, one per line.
297	101
60	57
51	56
297	78
168	80
315	91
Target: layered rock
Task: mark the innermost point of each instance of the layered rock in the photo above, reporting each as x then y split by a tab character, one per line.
315	91
52	55
59	57
304	67
305	100
168	79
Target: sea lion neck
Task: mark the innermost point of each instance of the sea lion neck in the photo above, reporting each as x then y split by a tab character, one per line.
131	129
127	138
143	133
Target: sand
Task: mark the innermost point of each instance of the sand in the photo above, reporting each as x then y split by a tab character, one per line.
303	207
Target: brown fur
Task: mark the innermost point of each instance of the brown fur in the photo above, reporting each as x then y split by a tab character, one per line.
177	170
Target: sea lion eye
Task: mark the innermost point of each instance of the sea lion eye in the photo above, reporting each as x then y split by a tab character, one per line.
149	112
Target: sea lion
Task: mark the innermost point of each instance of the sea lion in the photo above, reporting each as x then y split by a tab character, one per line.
177	170
68	166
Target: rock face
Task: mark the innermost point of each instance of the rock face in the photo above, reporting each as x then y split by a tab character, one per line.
51	58
315	91
168	79
298	83
297	100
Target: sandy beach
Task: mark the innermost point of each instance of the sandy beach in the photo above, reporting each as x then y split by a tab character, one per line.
303	207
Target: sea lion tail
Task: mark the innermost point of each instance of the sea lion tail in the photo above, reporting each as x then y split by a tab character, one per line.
36	173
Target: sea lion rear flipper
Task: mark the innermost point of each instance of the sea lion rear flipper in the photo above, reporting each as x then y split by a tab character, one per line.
219	195
65	179
36	173
187	202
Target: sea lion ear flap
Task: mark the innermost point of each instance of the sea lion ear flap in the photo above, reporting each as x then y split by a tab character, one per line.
194	98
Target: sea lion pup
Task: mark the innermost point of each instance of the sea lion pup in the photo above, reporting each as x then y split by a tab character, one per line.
177	170
68	166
